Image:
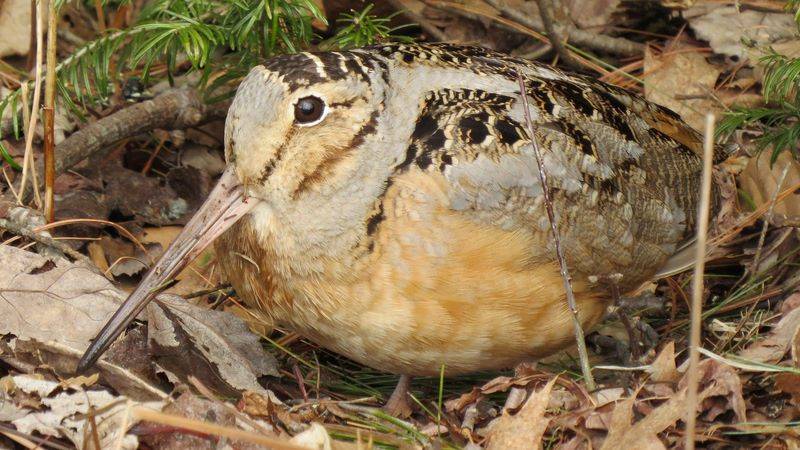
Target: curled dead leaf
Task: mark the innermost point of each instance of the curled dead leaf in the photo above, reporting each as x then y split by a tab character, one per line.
663	369
717	382
772	348
63	413
682	81
215	347
523	430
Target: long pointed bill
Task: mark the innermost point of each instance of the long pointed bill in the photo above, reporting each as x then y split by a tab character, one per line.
225	205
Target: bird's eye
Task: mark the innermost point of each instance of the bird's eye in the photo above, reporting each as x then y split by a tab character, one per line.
309	110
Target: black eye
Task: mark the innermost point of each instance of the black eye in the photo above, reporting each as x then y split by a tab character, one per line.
308	109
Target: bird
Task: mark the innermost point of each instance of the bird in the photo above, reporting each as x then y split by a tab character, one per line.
385	202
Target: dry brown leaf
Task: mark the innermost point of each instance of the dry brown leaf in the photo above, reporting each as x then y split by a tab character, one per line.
524	429
723	382
54	308
671	77
608	395
591	13
773	347
203	159
717	381
192	407
600	418
727	28
213	346
663	369
147	199
62	359
620	423
53	300
63	414
98	256
759	180
126	258
80	382
15	27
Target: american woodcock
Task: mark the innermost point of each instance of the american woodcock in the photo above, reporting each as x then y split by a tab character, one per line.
385	203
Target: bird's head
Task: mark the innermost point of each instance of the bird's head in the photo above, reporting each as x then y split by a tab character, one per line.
298	125
300	133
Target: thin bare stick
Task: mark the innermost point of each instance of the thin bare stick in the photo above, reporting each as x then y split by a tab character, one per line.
8	180
42	443
473	13
175	108
27	160
423	23
43	239
49	114
562	262
26	119
556	38
31	60
101	16
580	38
123	426
767	217
697	281
142	413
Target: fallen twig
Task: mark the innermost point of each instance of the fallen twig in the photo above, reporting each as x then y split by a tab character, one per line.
767	218
27	439
175	108
697	282
142	413
28	162
50	114
556	39
423	23
581	38
562	262
43	239
474	13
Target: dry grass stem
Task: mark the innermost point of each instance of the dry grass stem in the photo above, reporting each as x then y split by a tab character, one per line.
101	16
767	218
697	281
149	415
29	441
583	355
44	239
28	163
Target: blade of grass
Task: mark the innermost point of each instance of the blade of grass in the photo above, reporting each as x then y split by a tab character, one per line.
748	365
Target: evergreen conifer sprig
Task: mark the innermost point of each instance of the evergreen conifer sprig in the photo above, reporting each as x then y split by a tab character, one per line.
778	121
222	39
